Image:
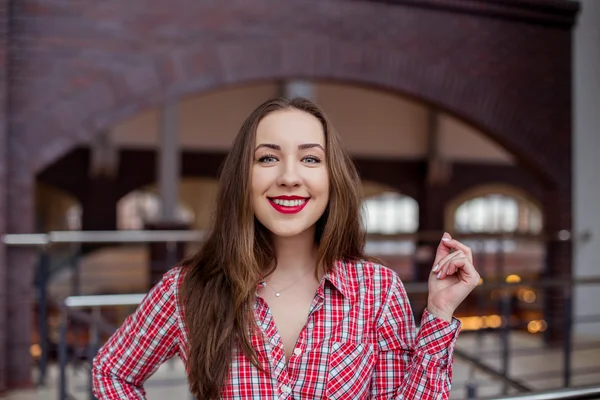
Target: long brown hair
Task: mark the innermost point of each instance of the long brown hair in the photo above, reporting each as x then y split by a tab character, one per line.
220	280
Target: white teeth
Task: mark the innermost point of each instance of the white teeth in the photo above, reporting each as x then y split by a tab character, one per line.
289	203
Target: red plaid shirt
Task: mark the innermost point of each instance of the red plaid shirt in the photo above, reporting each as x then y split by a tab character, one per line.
359	343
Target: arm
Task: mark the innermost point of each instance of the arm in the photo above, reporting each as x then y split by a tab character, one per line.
409	367
134	352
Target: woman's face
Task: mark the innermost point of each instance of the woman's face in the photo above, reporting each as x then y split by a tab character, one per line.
290	182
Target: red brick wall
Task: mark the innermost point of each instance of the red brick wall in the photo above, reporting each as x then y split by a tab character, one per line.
85	65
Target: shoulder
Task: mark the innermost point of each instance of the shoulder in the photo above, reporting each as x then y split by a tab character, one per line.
168	287
363	276
173	277
364	270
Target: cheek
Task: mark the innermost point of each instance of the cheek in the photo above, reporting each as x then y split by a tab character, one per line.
257	181
325	185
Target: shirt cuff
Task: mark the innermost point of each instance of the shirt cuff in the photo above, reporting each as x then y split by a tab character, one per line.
437	337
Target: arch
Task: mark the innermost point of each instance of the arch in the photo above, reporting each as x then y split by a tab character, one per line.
373	187
482	190
139	207
197	196
331	59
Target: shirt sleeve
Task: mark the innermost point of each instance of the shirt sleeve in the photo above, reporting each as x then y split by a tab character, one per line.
147	338
412	366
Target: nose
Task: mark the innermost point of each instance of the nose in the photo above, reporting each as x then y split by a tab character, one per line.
289	176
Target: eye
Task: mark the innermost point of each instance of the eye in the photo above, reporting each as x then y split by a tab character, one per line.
267	158
311	160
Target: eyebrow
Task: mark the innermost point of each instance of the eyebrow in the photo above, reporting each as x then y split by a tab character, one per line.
300	147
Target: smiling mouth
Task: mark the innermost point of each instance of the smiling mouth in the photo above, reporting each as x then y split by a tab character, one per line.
288	205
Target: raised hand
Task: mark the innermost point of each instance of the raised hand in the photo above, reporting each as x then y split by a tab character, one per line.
452	278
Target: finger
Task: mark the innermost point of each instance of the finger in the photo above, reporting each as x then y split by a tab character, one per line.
442	266
452	265
469	274
465	271
443	250
455	264
439	266
459	266
455	244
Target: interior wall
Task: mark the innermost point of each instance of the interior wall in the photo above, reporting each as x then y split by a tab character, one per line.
586	164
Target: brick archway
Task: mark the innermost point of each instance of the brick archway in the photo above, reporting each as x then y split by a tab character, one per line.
85	112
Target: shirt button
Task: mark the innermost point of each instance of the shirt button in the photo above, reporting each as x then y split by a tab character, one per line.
297	351
286	389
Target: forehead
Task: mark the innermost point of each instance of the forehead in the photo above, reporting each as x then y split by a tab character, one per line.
290	127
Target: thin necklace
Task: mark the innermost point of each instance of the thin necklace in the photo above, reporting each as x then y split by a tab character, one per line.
278	292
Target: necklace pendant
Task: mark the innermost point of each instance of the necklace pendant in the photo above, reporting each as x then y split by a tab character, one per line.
277	294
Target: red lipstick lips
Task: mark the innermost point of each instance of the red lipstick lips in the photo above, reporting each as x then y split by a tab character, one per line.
289	204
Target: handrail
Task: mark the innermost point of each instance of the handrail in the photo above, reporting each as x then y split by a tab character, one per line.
78	237
95	322
104	300
140	236
421	287
97	301
134	299
581	393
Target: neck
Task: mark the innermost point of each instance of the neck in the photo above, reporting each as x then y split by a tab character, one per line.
295	255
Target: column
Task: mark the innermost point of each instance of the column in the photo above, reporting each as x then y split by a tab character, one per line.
557	207
298	88
164	256
169	162
99	206
431	199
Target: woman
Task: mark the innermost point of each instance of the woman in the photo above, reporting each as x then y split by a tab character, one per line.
281	302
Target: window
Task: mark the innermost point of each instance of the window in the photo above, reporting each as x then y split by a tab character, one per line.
497	213
390	213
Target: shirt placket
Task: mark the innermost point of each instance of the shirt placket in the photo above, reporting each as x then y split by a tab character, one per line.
274	349
304	342
282	375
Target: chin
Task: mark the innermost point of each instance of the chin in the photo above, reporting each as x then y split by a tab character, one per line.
281	230
286	233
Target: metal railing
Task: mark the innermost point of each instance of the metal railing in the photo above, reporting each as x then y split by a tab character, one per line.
44	242
95	303
506	327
